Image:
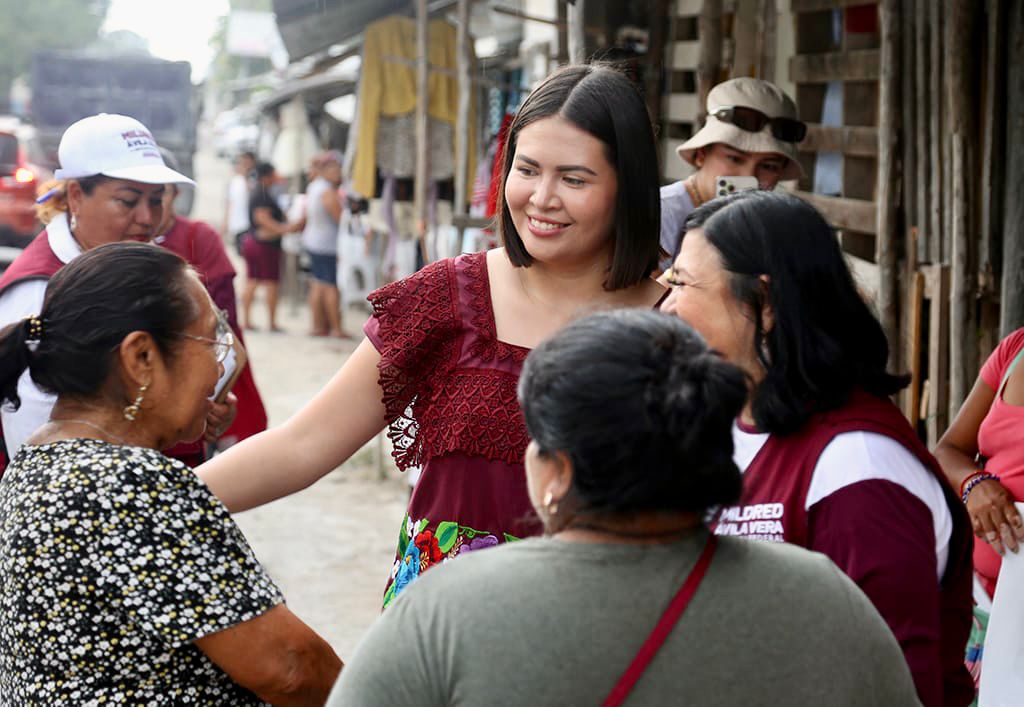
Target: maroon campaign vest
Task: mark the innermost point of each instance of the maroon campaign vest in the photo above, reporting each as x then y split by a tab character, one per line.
774	494
36	262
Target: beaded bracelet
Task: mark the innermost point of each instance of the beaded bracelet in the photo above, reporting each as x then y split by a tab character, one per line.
977	479
967	479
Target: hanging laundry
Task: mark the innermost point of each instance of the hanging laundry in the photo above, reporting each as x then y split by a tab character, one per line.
387	89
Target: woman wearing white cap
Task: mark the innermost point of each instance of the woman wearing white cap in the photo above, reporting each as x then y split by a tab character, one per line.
751	131
109	188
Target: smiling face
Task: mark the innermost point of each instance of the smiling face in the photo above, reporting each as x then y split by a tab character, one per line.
721	160
561	194
116	210
702	297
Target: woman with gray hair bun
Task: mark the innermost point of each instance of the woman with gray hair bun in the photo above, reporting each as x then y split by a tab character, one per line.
630	416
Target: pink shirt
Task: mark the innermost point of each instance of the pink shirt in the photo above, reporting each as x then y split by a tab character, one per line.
999	442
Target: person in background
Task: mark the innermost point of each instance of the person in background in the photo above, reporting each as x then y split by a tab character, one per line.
109	187
751	131
983	458
320	240
262	246
236	211
829	462
202	248
444	347
125	581
630	417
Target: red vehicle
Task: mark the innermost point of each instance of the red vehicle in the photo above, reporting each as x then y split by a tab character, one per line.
20	175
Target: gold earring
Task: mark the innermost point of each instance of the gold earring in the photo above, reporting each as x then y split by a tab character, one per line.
549	505
132	411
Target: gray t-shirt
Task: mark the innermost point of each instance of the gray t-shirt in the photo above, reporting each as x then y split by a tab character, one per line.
548	622
676	205
321	233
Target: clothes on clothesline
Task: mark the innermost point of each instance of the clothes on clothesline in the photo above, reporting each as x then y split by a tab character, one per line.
387	90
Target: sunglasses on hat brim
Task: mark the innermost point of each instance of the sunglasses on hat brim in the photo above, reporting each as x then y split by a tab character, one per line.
753	121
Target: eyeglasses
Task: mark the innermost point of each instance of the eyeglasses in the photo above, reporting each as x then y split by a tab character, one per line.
225	337
753	121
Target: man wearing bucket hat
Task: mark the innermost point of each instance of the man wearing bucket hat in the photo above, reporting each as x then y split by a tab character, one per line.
752	130
109	188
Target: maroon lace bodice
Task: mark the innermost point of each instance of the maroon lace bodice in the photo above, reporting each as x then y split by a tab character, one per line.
449	384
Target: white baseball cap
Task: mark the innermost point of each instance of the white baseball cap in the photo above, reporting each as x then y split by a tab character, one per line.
115	146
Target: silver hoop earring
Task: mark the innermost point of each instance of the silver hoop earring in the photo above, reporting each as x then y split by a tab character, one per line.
132	411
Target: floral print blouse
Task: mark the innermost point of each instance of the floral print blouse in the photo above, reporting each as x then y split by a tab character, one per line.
113	560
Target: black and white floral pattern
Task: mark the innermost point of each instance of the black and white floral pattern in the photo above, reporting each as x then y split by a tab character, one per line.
113	559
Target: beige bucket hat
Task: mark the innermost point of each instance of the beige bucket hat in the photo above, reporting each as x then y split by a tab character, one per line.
750	93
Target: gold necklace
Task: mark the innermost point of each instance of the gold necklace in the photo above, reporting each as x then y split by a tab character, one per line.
694	191
92	425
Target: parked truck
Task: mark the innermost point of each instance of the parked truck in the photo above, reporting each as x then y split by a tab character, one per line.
72	85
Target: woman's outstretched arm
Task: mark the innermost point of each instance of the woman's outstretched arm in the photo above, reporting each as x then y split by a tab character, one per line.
329	429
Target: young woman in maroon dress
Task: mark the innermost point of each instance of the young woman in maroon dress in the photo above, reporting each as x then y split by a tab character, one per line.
444	347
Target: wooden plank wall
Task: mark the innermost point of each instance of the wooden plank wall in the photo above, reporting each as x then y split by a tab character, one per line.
922	190
852	59
681	102
710	41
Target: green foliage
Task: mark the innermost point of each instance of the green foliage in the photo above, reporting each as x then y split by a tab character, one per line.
41	25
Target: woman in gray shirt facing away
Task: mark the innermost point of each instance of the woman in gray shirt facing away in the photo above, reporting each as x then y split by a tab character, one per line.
629	598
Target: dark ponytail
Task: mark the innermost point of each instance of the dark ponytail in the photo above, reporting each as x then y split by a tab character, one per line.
91	305
14	359
642	408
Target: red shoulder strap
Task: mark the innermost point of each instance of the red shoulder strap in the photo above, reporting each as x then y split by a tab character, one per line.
661	632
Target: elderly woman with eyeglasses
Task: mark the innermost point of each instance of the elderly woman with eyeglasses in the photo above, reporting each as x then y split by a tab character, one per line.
124	579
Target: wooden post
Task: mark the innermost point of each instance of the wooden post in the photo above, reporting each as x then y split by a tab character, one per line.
963	335
768	39
1012	315
992	162
709	65
462	126
946	69
422	137
922	129
887	181
908	85
937	411
577	36
656	59
937	137
562	19
916	303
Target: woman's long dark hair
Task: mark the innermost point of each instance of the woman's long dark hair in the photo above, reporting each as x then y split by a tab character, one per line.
90	306
643	409
825	341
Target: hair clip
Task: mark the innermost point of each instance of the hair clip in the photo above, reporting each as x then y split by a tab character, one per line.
48	195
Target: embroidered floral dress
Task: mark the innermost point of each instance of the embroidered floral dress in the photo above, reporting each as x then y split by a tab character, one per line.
450	394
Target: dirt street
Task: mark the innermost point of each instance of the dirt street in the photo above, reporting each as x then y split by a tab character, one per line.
330	547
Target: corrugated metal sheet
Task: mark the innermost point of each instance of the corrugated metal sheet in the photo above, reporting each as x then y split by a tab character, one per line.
310	26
